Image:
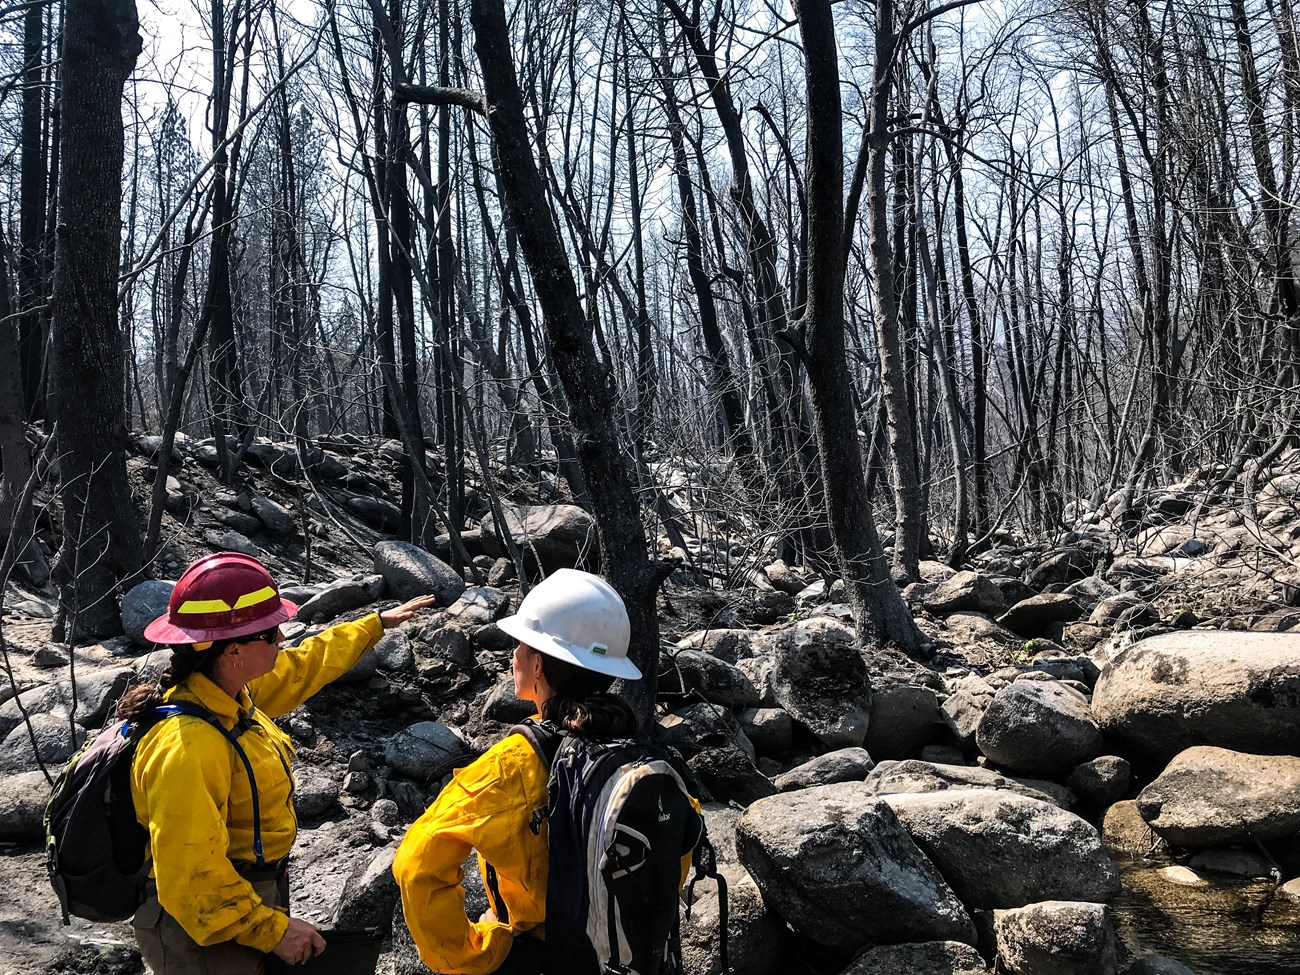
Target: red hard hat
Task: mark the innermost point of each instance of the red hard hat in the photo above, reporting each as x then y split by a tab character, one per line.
220	597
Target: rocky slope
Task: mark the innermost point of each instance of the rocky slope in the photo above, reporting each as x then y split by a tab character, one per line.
1082	708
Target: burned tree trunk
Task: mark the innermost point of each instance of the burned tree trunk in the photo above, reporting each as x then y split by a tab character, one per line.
101	540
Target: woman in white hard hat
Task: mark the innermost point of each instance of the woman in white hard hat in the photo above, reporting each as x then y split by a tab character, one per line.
573	634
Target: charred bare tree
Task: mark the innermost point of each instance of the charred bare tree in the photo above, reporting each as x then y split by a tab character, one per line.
101	539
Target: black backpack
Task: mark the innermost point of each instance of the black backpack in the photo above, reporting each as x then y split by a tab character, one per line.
619	820
95	849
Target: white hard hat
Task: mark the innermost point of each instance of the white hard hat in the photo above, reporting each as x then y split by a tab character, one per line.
576	617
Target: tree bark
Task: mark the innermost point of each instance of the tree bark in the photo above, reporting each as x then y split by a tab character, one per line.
101	541
879	613
587	383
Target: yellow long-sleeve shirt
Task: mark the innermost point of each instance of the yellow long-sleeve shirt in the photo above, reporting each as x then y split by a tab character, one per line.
192	794
486	808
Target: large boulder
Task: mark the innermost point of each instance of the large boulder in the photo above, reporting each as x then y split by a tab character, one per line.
966	590
273	515
142	604
904	718
1031	617
410	571
998	849
1213	797
1065	566
841	765
692	672
341	597
840	868
729	774
927	958
22	806
1239	691
913	776
47	739
552	536
755	937
1056	938
725	644
369	893
425	751
1039	727
819	677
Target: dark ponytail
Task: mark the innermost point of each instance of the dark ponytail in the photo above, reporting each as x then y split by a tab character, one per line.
581	702
185	662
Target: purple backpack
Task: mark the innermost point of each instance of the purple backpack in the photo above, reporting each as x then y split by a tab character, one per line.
95	848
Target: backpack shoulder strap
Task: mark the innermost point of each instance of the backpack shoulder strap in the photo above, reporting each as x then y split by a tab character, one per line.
545	737
173	708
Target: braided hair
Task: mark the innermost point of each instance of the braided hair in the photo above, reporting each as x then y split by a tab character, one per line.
187	660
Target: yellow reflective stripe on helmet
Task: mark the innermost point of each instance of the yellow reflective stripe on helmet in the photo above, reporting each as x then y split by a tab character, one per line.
221	606
204	606
253	598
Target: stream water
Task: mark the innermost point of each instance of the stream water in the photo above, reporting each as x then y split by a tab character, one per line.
1219	928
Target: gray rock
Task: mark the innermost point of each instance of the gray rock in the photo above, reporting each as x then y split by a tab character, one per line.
1158	965
1212	796
370	892
55	743
961	712
425	751
445	642
478	606
409	571
904	718
314	795
971	627
839	867
393	653
841	765
999	849
760	671
728	645
729	774
1059	667
341	597
1122	606
1235	864
1065	566
231	541
22	806
770	729
1056	938
755	937
237	521
274	516
1101	781
927	958
1090	591
966	591
552	536
913	776
1239	691
693	672
375	512
503	707
694	726
142	604
361	671
49	656
1124	831
1031	617
785	579
820	679
1039	728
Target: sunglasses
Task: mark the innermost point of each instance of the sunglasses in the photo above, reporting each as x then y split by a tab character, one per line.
269	636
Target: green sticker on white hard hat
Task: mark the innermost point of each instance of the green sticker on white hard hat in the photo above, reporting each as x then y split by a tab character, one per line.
599	648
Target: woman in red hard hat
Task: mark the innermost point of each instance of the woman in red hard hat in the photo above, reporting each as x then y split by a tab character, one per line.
214	904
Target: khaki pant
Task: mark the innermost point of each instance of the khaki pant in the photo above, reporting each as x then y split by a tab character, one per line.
168	950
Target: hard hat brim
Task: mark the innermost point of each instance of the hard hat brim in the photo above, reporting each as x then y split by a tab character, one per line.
610	666
162	630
